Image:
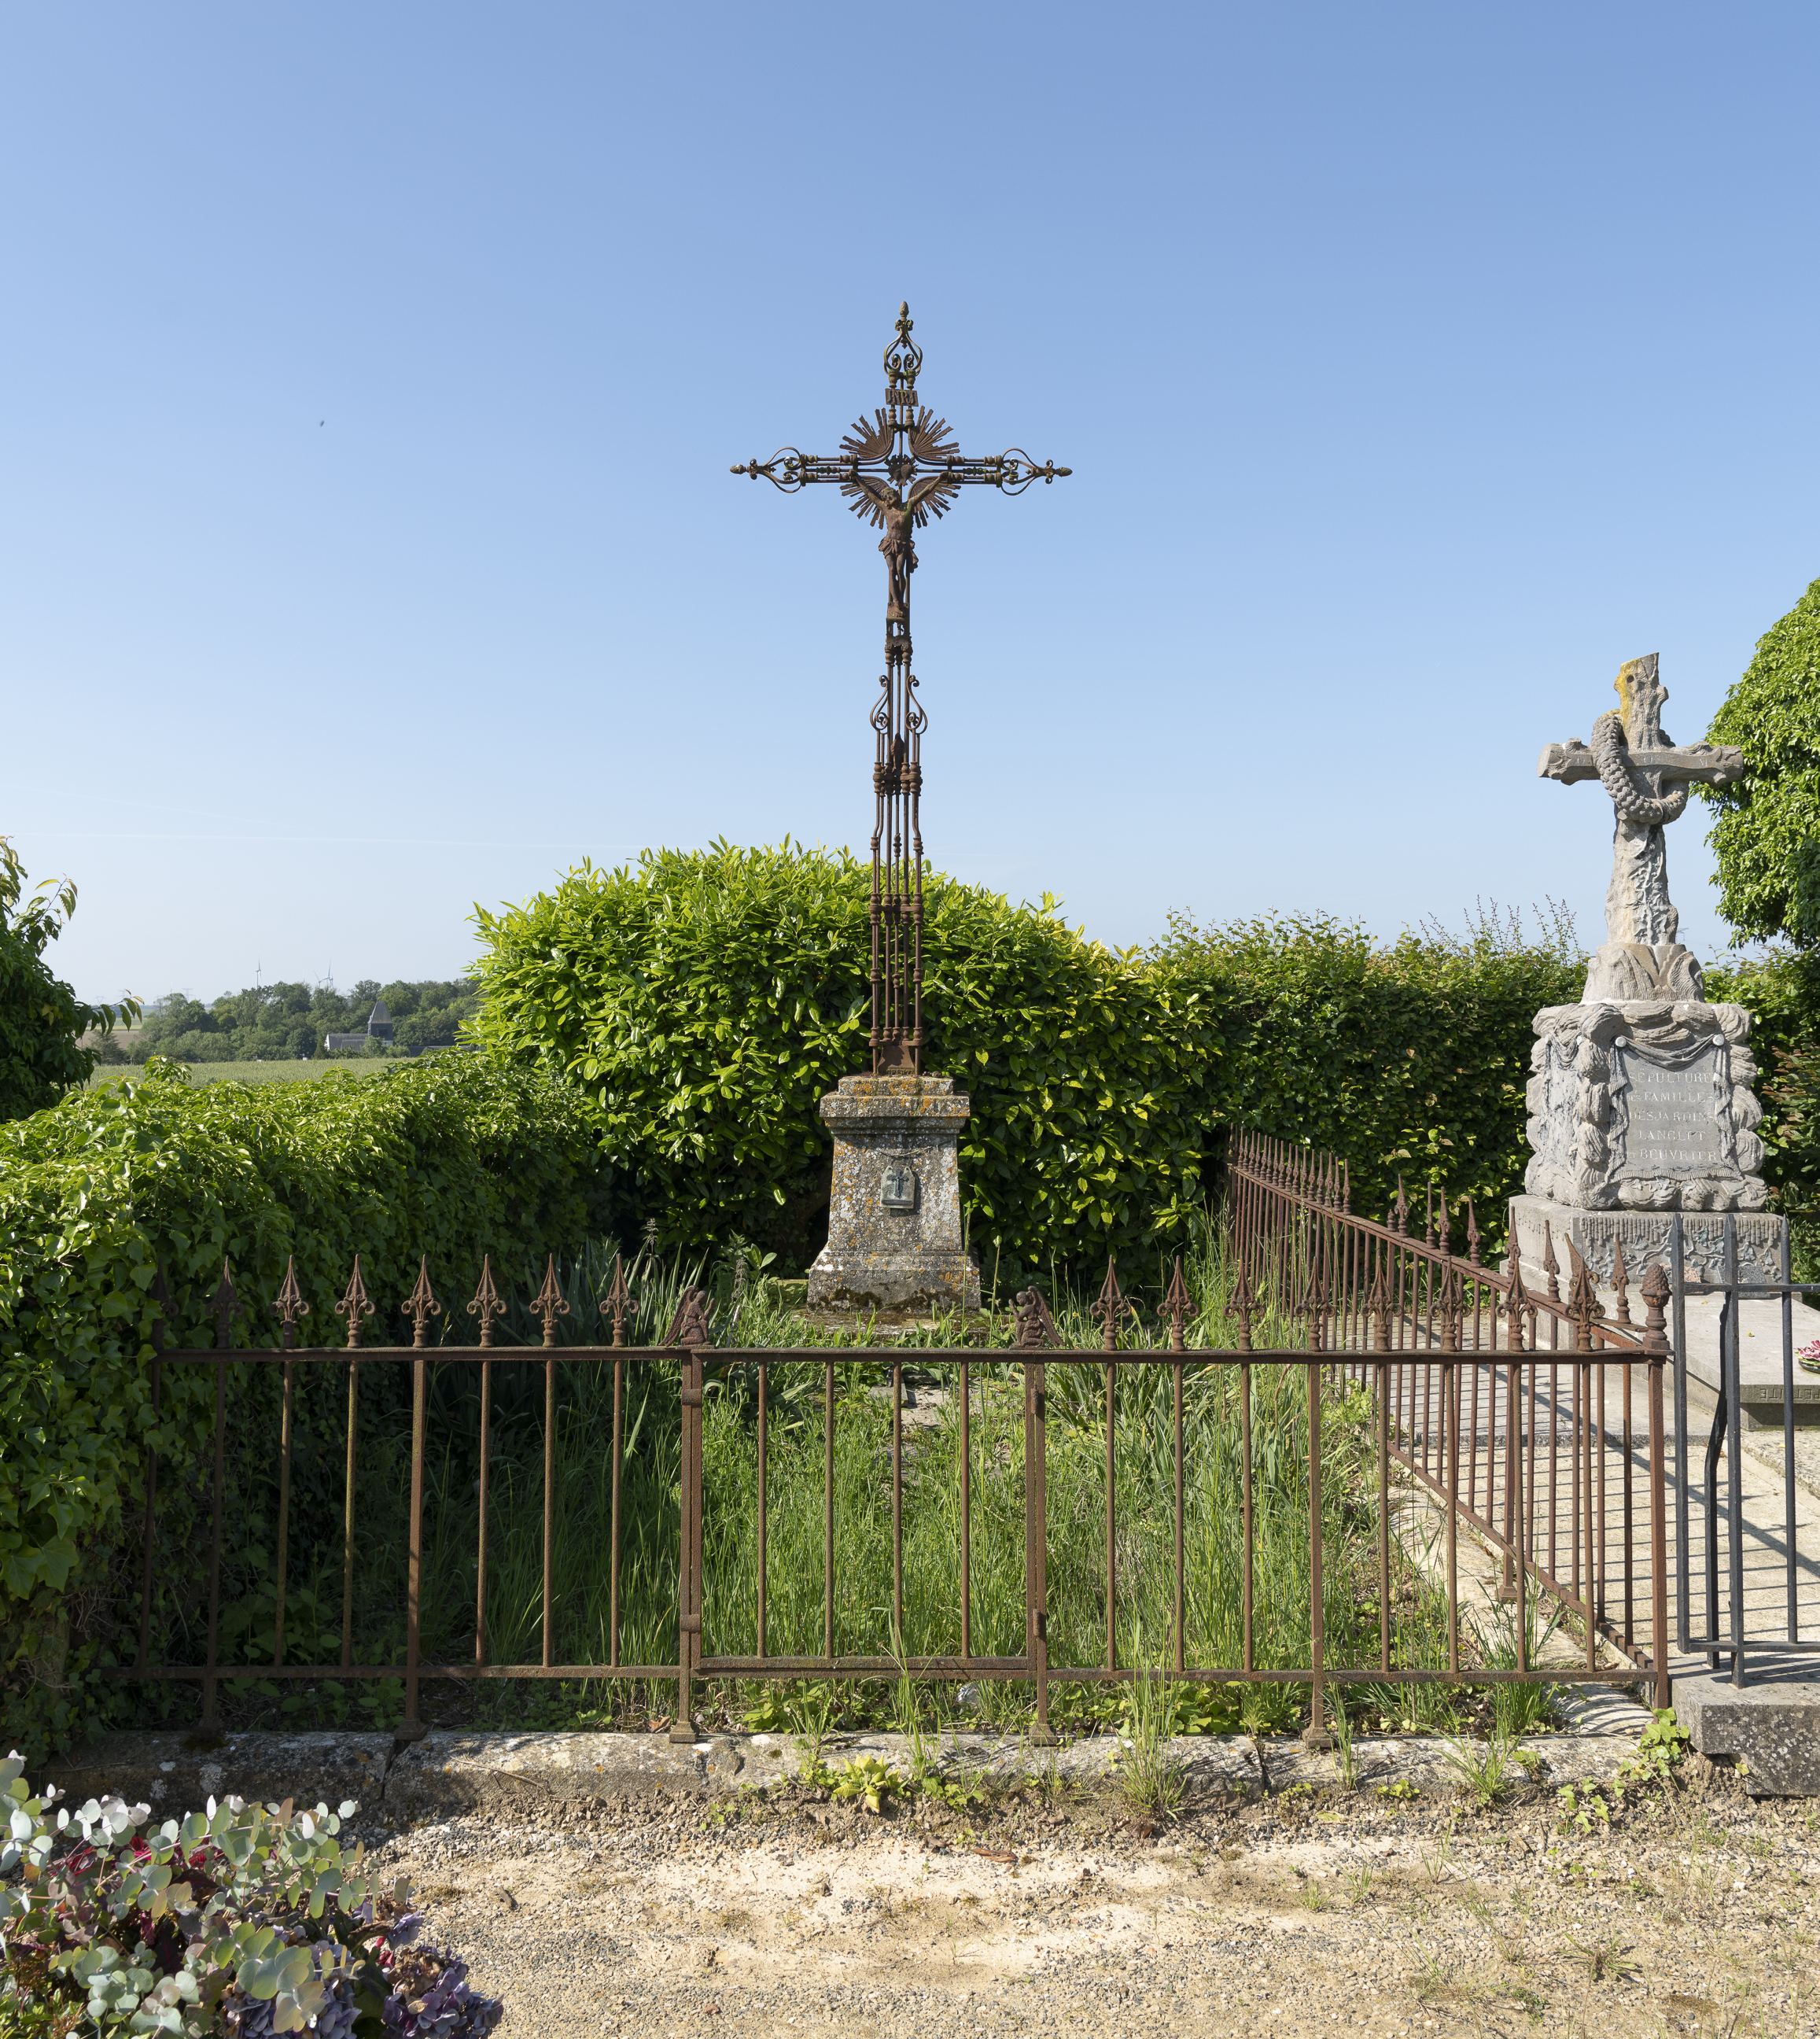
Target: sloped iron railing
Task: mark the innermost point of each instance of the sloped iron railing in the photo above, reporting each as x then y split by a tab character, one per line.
1497	1400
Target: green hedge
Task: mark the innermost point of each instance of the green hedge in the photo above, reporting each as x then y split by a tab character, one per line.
451	1159
704	1003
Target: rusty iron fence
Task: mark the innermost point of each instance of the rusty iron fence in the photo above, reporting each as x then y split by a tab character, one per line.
1488	1400
1516	1411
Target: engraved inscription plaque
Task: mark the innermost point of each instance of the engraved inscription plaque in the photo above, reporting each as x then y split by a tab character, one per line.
898	1189
1676	1119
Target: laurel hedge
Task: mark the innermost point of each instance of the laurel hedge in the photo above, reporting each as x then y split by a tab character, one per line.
704	1002
449	1160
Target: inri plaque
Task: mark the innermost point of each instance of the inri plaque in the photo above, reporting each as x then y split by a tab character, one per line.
1676	1120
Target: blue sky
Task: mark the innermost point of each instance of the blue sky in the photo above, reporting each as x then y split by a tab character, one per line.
371	377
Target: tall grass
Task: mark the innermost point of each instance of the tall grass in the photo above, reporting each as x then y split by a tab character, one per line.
751	1312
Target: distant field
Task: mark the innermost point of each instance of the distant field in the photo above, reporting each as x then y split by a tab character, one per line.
208	1072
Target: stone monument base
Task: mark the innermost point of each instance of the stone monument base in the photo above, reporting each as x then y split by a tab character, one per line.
1644	1105
894	1237
1596	1234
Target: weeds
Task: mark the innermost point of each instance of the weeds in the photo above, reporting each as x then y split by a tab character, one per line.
1480	1765
1606	1960
869	1778
1345	1752
1151	1779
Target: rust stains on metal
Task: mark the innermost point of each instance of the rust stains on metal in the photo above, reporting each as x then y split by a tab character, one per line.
355	1305
897	469
421	1305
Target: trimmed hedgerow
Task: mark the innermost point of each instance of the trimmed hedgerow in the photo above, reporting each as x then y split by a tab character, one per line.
447	1160
703	1003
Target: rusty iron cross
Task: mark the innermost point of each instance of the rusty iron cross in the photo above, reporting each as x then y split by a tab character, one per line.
897	471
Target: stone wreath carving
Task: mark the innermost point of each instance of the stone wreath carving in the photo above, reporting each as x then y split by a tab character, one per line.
1611	753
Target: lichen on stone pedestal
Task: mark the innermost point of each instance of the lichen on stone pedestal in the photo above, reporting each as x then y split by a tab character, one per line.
895	1239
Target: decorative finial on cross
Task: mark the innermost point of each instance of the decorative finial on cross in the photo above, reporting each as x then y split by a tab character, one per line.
1647	776
897	469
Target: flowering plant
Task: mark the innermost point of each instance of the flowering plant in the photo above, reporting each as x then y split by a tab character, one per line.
241	1920
1809	1356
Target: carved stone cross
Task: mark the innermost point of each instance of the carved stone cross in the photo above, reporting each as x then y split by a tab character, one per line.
1646	775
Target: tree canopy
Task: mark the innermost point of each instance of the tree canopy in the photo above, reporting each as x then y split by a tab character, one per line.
1767	836
41	1019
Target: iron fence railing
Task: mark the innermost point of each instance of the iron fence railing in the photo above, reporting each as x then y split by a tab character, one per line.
1417	1326
1516	1411
1725	1531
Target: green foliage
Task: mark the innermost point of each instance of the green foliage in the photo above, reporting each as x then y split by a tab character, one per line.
196	1927
1407	1059
288	1022
1782	993
41	1019
705	1003
1767	835
449	1159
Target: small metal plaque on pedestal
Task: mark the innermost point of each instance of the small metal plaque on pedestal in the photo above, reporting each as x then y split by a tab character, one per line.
897	1191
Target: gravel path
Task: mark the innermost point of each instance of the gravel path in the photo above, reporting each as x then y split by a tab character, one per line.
1300	1914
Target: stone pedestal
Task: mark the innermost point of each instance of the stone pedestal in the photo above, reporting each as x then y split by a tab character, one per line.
894	1239
1644	1105
1639	1107
1595	1236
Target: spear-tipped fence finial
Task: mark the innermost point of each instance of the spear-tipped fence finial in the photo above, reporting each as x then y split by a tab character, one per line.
288	1304
1450	1303
1240	1304
1551	1266
1583	1300
551	1304
617	1301
1620	1297
1112	1309
421	1305
1377	1309
487	1303
1176	1308
1518	1307
356	1304
1472	1233
1400	1216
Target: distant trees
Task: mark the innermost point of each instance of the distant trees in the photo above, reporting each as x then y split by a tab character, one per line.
281	1022
41	1019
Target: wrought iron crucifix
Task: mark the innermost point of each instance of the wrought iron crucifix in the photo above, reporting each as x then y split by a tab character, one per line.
898	470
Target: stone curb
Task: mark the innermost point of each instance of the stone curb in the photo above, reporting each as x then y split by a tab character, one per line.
580	1776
